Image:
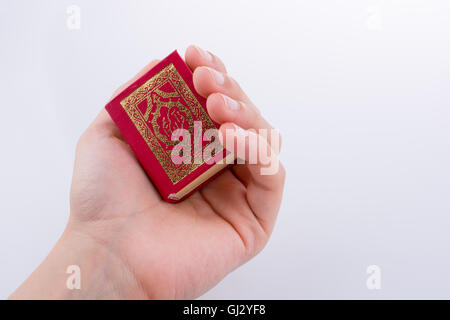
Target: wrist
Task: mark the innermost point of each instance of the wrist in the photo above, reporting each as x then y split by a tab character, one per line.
103	274
80	267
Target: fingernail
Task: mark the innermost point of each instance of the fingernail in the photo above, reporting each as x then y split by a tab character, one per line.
231	103
218	77
205	54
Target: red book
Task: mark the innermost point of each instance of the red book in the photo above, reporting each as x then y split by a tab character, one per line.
149	112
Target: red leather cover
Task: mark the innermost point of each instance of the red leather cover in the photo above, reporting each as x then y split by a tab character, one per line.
150	109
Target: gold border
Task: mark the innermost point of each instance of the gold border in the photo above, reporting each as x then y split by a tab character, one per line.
168	74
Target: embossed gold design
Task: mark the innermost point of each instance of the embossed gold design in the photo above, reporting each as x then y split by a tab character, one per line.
176	117
175	172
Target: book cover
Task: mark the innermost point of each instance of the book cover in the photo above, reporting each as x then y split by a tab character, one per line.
159	104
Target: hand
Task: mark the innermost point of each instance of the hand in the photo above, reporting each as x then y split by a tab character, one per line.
129	243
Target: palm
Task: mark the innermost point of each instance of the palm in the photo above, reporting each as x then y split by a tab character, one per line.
178	242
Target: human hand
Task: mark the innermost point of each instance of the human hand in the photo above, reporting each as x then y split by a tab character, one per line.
129	243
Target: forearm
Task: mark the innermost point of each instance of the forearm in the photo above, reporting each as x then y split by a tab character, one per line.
102	275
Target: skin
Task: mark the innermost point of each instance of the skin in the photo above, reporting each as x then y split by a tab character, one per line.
129	243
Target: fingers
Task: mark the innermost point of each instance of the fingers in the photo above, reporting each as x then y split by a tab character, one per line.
227	104
226	101
224	109
208	80
198	57
264	175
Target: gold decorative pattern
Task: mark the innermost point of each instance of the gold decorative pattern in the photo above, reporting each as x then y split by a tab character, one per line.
175	172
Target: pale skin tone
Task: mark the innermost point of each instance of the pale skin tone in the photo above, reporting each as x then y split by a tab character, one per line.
129	243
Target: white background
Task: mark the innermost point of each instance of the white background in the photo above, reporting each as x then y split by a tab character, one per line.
358	88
